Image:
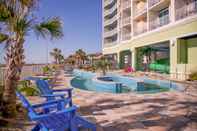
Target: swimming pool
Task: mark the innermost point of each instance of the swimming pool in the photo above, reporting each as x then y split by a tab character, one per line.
113	83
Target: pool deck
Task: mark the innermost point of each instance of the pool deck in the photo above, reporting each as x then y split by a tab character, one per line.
167	111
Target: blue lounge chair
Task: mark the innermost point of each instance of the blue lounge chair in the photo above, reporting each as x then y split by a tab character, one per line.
51	94
60	120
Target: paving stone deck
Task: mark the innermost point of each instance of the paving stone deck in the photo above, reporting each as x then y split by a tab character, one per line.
167	111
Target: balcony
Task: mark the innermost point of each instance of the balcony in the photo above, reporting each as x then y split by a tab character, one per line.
153	2
110	21
140	12
110	33
110	43
186	10
111	10
158	22
126	21
139	7
126	36
140	31
107	2
126	4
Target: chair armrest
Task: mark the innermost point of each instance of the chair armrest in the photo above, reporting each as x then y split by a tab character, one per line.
48	103
53	95
63	90
54	114
69	92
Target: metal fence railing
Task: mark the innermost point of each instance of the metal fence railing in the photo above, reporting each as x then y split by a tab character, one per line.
28	70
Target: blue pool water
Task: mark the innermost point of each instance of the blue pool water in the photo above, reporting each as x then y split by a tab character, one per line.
120	84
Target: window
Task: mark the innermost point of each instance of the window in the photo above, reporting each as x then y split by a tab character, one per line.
195	3
164	16
126	59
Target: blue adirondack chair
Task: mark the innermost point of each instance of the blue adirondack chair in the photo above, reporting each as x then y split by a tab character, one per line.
51	94
60	120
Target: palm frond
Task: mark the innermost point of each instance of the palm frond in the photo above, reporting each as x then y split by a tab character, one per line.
3	37
27	3
5	11
22	26
50	27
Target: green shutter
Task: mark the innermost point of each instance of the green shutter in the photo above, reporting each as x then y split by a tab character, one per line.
182	51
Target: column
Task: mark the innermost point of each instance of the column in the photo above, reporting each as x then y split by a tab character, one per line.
133	56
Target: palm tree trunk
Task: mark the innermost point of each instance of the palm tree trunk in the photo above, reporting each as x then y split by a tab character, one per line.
14	63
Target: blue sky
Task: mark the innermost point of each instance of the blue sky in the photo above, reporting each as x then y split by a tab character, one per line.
82	29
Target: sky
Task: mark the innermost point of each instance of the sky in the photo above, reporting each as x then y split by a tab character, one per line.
81	27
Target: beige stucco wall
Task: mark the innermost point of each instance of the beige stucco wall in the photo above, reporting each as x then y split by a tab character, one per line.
170	33
192	51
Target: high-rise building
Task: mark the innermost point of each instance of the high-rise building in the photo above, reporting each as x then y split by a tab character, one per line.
166	28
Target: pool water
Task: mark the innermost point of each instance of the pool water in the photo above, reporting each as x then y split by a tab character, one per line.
87	84
119	84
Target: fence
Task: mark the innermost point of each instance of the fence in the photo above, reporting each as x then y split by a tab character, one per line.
28	70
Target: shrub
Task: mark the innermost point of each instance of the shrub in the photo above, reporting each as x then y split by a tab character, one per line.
29	91
46	69
27	88
193	76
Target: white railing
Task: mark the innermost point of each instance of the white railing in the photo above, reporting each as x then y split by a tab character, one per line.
156	23
126	21
153	2
110	33
27	70
30	70
186	11
109	44
140	31
110	21
111	10
107	2
138	12
126	36
126	4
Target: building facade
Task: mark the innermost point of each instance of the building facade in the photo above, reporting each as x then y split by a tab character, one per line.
168	27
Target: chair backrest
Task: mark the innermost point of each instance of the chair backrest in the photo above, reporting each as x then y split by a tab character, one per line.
25	103
31	78
44	87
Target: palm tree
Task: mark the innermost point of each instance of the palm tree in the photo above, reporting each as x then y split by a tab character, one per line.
57	54
80	56
16	21
61	59
103	64
71	60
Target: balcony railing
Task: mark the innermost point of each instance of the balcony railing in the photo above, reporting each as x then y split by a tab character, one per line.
107	2
126	36
153	2
111	10
159	23
126	21
110	43
110	33
126	4
140	31
110	21
186	11
140	11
